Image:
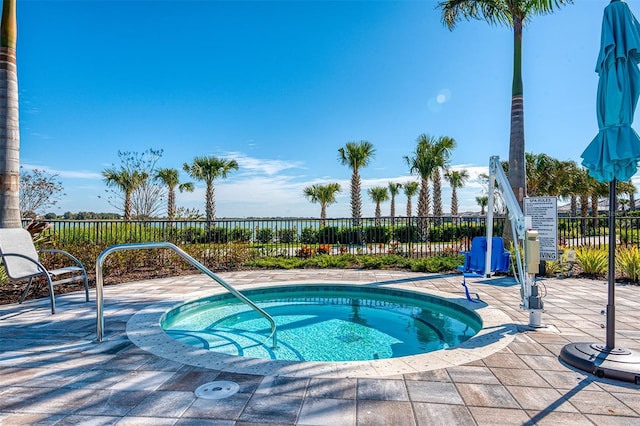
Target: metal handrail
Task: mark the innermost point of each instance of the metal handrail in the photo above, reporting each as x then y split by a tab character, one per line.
154	245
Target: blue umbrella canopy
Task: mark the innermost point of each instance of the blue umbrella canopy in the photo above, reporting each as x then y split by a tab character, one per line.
615	151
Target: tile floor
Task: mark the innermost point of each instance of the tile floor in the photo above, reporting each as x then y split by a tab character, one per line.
53	372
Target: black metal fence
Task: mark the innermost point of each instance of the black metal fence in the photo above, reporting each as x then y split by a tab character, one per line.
415	236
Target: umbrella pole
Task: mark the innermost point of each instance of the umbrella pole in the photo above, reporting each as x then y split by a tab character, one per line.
606	360
611	273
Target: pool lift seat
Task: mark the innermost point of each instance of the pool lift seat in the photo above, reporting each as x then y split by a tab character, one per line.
475	261
21	261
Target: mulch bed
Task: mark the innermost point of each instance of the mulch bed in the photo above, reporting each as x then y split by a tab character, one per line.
11	291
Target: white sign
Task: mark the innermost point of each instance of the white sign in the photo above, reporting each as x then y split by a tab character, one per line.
544	219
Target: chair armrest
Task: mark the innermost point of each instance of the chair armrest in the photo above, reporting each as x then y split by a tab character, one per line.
62	252
41	267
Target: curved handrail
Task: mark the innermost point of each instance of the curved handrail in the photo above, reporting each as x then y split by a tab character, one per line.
153	245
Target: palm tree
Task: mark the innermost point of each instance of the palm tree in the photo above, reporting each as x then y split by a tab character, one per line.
410	190
482	201
539	171
169	177
127	182
514	14
422	163
9	123
442	148
356	155
570	185
456	179
629	189
323	194
394	189
208	169
597	191
378	194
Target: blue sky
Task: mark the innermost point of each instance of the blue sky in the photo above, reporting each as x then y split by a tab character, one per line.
281	86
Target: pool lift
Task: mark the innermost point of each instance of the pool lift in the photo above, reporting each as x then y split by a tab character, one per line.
523	233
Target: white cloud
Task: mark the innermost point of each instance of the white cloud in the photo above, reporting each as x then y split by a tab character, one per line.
269	167
70	174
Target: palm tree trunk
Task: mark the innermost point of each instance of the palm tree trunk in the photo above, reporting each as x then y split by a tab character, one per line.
323	214
437	194
378	214
171	203
409	207
356	200
423	210
127	206
584	212
393	209
517	164
210	208
594	212
454	201
9	123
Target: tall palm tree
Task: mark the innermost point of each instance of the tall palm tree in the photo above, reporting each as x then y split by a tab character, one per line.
378	194
539	171
323	194
125	181
9	123
169	177
394	189
482	201
571	181
597	190
410	189
441	148
625	188
456	179
356	155
631	191
422	163
515	14
208	169
583	189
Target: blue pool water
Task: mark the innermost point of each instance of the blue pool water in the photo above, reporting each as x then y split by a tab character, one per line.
323	323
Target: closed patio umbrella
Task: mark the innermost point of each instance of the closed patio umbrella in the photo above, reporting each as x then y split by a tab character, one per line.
613	155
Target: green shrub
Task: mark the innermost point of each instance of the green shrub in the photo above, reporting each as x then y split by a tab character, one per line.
553	267
349	236
376	234
309	236
628	262
328	235
287	236
264	235
405	234
593	261
217	235
193	235
238	234
437	263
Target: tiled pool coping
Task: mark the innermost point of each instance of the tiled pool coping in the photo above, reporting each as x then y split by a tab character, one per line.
498	330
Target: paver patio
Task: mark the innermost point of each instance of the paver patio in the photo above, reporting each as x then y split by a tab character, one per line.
52	371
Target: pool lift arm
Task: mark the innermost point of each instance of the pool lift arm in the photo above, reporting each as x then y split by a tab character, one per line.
524	272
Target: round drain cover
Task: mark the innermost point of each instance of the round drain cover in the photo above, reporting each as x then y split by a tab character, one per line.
217	390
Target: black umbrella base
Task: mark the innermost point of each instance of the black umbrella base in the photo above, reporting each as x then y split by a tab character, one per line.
598	359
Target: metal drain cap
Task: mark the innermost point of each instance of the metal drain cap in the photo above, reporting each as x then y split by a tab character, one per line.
217	390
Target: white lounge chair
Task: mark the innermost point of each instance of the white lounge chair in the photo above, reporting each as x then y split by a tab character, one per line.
21	261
